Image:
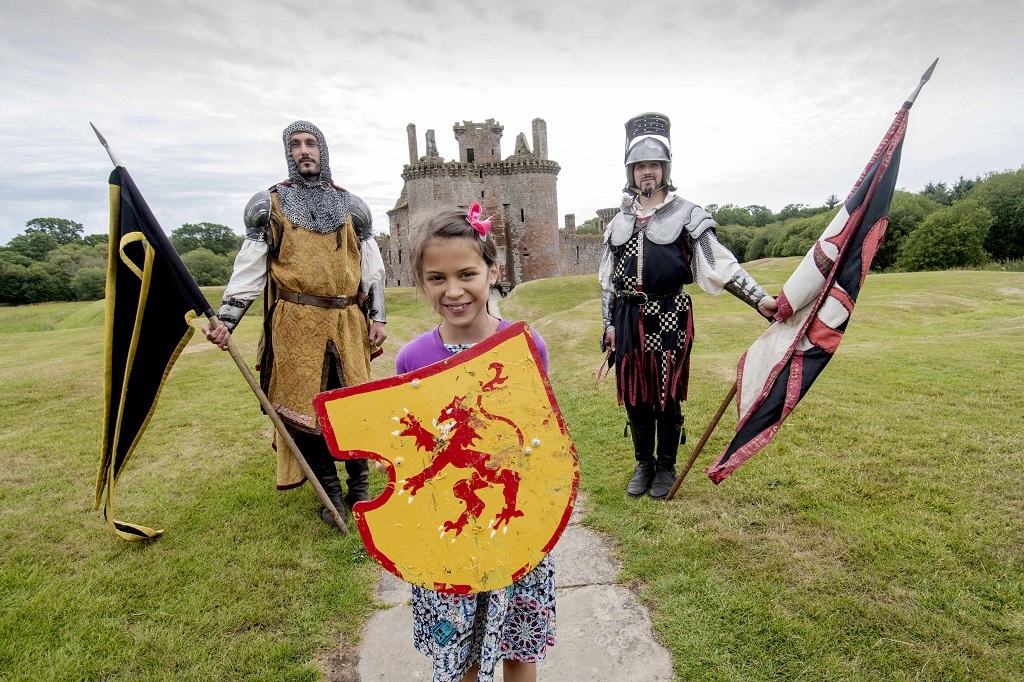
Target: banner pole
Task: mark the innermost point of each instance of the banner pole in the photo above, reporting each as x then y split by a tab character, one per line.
702	442
335	513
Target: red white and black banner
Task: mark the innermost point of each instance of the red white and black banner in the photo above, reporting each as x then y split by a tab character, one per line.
814	308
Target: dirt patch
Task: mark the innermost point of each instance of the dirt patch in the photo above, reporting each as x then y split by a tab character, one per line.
341	665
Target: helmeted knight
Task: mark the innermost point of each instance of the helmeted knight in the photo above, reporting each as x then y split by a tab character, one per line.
309	248
655	245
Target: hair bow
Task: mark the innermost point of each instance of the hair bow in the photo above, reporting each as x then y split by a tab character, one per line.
482	227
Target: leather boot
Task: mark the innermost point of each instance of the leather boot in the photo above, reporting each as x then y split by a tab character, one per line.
642	430
358	481
326	473
670	435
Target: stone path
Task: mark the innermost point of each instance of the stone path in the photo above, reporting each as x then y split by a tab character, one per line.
604	634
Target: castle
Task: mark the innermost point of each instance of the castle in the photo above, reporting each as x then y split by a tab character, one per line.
517	192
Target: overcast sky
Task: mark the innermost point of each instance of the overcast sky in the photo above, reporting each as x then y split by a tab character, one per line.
771	102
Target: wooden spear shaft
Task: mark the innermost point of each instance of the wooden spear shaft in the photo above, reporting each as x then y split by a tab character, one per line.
702	442
335	513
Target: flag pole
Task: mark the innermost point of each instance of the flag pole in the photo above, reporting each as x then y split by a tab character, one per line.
335	513
702	442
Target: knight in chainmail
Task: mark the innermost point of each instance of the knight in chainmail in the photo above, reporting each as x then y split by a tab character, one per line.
309	249
655	245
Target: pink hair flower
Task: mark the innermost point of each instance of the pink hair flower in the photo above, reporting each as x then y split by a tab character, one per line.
482	227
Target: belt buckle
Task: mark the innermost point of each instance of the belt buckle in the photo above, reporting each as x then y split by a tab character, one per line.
642	295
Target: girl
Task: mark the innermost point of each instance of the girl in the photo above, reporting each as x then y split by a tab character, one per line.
455	265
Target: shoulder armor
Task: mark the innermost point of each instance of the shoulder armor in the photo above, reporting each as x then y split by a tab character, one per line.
257	216
619	229
362	218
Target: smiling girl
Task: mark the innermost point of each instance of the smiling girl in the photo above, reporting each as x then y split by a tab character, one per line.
455	264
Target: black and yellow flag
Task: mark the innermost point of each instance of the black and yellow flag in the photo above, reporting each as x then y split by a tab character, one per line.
150	301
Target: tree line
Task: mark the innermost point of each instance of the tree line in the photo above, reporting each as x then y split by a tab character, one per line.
52	260
973	223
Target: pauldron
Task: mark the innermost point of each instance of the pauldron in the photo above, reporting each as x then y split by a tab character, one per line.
231	311
745	288
257	216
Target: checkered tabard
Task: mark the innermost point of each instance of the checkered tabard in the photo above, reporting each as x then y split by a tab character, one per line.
626	270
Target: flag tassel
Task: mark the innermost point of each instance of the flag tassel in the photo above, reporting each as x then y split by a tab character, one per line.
703	441
335	513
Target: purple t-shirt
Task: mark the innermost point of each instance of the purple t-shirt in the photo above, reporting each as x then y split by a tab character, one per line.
427	348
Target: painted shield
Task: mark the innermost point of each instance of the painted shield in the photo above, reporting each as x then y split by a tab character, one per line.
482	474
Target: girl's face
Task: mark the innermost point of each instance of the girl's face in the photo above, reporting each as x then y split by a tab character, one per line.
458	282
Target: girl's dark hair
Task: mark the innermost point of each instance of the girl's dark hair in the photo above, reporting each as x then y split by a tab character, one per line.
449	223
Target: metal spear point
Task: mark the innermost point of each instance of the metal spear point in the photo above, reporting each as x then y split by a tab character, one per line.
106	146
924	79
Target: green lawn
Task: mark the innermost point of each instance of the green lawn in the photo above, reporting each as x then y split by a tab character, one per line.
879	537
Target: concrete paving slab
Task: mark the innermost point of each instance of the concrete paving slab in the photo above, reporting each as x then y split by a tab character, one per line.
603	633
582	557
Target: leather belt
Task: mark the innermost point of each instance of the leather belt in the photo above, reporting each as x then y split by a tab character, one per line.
641	297
318	301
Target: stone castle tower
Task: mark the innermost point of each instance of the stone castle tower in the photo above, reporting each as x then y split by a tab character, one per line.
518	193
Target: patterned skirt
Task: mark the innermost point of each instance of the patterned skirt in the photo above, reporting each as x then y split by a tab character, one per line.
458	630
652	350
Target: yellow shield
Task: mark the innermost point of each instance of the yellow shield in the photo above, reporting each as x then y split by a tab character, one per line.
482	472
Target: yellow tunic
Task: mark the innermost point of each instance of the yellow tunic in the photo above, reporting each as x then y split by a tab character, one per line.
299	340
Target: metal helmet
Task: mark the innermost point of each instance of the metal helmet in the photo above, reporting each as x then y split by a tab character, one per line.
647	139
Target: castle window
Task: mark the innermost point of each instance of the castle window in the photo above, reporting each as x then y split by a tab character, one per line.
481	194
481	173
400	256
577	253
470	157
522	215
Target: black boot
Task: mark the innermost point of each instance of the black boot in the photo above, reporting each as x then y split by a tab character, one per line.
670	435
641	427
320	461
358	481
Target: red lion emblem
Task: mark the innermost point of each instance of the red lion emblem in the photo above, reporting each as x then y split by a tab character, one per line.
459	425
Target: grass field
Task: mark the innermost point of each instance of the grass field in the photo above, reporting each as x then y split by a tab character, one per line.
879	538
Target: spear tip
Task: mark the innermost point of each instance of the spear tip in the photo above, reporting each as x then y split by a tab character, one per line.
103	141
924	79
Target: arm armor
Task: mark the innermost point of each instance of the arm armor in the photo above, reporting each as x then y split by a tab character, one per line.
257	216
231	311
745	288
607	308
375	303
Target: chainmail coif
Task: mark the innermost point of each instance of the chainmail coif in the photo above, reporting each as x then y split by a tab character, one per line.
314	204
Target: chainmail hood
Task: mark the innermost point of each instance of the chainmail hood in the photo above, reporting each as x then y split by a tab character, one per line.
314	204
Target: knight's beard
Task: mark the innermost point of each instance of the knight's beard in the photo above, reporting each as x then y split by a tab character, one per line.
647	188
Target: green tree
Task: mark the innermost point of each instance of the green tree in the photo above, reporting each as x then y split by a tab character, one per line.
89	284
96	238
63	230
796	237
588	226
906	212
832	201
73	257
937	192
963	187
35	283
730	214
34	245
212	236
1003	195
207	267
951	237
761	215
